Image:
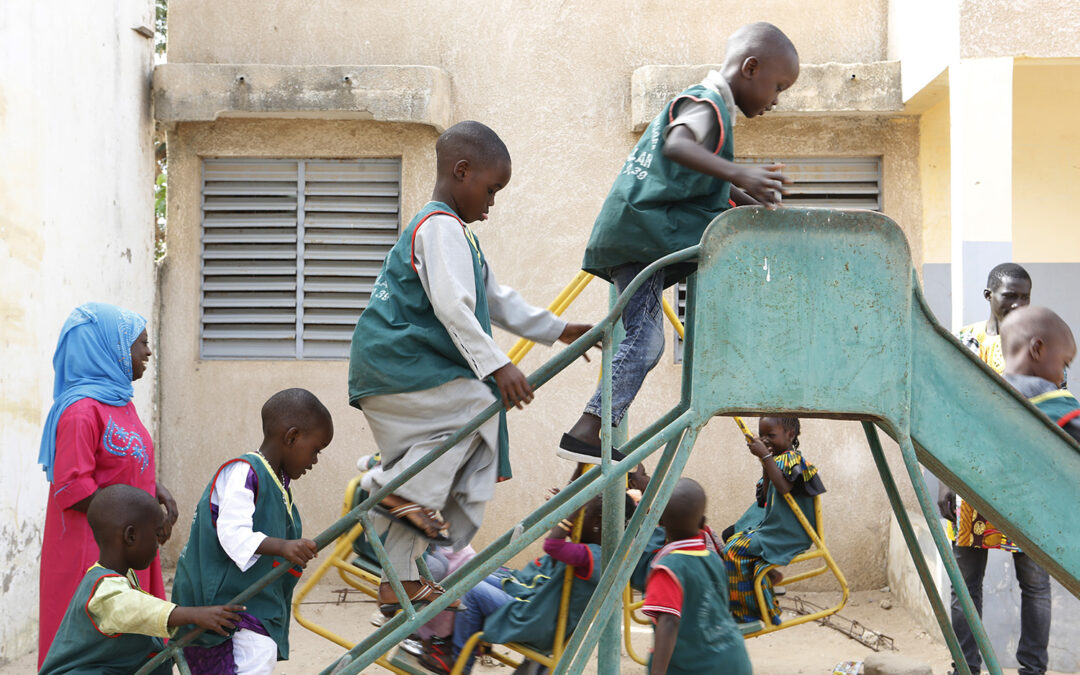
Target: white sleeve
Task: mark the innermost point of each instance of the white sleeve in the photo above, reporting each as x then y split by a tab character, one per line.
236	507
444	262
509	311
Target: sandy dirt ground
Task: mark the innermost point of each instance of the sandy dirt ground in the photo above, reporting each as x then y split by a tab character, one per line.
809	648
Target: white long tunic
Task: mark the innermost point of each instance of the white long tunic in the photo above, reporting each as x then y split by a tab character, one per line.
407	426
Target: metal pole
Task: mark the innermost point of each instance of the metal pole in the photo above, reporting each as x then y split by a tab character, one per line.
614	515
932	594
644	521
930	512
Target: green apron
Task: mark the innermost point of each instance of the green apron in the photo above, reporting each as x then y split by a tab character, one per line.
657	206
80	648
206	575
708	640
399	345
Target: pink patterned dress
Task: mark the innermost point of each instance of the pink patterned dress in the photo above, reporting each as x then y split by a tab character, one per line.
96	445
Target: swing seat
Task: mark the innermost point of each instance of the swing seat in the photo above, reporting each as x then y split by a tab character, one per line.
477	639
817	551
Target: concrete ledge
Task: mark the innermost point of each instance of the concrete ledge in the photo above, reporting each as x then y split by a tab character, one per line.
199	92
821	89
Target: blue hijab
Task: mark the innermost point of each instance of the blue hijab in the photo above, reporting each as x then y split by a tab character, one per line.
92	360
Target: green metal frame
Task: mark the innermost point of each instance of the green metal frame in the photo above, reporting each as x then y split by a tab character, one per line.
808	312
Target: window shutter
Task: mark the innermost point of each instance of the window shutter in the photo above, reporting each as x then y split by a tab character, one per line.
249	258
290	250
830	182
350	222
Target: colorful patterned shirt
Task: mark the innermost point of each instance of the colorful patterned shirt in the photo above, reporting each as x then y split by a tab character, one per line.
972	529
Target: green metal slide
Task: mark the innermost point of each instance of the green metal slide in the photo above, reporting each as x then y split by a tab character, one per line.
816	313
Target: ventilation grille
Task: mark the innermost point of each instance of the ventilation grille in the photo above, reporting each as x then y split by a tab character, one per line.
830	182
290	251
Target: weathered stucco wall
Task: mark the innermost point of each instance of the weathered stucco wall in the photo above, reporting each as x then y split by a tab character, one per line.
1036	28
76	224
561	102
545	46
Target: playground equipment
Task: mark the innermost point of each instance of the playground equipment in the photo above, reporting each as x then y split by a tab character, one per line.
830	302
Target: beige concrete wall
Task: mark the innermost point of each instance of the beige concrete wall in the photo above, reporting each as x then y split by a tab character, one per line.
545	47
1046	144
76	224
555	83
1035	28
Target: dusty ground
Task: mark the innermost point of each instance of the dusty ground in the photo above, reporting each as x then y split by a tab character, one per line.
809	648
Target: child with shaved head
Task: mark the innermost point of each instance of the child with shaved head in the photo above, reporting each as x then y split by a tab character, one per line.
679	177
1036	347
245	525
112	625
1039	346
687	598
423	361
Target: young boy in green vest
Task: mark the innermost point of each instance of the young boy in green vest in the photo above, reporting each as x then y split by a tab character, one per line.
112	625
423	362
686	596
1038	347
678	178
245	525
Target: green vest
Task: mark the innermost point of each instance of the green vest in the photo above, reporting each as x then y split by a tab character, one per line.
658	206
708	640
531	617
80	647
641	570
1059	405
779	536
399	345
206	575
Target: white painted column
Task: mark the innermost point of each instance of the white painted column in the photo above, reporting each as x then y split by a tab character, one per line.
981	132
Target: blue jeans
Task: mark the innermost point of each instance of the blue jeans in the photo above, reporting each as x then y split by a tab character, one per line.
641	349
1034	609
480	602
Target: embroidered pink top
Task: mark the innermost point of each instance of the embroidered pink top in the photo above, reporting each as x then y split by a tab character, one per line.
96	445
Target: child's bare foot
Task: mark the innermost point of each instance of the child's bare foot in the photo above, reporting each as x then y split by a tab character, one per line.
775	576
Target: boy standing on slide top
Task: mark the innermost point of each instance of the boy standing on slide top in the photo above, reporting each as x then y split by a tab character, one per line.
678	178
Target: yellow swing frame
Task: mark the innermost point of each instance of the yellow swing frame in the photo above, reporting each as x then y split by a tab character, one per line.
368	583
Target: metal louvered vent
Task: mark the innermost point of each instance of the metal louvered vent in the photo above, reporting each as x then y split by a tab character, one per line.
290	251
831	182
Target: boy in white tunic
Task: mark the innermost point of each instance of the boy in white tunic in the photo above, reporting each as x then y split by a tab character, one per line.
422	359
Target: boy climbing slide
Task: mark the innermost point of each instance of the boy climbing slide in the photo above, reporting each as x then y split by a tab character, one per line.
423	362
678	178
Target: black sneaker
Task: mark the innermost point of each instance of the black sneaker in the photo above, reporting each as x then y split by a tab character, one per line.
584	453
